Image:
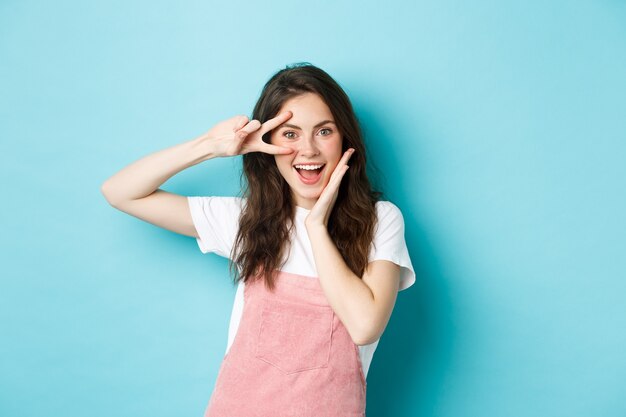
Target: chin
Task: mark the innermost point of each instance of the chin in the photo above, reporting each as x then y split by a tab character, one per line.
310	195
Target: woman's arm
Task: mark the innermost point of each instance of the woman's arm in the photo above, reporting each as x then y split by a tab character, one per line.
134	189
363	304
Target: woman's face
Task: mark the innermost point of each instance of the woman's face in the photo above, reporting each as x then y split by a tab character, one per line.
312	134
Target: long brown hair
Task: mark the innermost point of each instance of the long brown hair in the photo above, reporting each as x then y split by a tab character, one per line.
266	221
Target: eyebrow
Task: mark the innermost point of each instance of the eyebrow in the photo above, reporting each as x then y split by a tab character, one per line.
289	125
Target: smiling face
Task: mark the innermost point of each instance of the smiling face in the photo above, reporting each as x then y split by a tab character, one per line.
313	135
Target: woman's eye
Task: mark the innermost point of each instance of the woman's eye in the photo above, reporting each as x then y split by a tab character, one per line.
290	135
326	131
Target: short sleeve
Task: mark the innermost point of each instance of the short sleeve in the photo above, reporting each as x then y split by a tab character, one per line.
216	220
389	243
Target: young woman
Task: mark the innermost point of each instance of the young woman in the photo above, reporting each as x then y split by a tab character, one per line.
319	259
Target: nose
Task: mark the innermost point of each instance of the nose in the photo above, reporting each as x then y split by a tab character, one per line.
308	146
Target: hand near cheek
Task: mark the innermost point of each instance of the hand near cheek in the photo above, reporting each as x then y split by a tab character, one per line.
239	135
323	207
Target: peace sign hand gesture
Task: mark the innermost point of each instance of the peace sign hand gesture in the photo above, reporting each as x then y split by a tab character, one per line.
238	136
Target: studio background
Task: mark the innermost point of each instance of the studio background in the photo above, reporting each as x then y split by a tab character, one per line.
499	129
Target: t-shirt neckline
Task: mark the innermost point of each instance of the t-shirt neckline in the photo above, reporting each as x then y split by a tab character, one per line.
302	210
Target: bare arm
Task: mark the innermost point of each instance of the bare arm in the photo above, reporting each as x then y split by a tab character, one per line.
135	188
363	304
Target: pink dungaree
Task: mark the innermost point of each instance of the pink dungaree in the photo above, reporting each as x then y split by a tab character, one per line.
291	357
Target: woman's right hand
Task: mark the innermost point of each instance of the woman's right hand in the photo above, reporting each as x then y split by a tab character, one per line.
238	136
135	188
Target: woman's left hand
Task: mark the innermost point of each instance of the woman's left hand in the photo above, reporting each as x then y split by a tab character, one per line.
323	207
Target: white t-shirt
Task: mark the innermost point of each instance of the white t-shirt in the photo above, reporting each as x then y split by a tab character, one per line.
217	219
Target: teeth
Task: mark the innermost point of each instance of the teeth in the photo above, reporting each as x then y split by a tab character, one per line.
309	167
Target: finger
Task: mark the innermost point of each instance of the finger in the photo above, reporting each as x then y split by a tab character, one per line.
338	176
274	150
276	121
331	191
251	126
241	122
346	157
343	162
335	181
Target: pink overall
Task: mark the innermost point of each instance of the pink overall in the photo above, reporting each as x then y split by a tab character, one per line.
291	357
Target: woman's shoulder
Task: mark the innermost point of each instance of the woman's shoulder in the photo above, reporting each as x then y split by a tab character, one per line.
234	201
217	206
387	209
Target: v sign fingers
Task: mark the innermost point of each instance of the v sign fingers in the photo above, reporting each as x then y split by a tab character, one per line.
255	143
240	135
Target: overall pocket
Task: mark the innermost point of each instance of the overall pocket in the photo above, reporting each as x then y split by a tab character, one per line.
294	337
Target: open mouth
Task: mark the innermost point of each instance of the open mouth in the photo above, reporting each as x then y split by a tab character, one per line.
309	173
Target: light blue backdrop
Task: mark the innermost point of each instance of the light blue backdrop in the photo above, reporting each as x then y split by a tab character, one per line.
500	129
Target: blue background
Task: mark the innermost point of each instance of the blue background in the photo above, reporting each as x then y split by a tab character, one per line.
498	126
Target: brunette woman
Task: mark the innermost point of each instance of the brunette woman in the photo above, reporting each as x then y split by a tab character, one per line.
319	259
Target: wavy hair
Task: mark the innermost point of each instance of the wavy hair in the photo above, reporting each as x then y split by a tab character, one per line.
266	220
